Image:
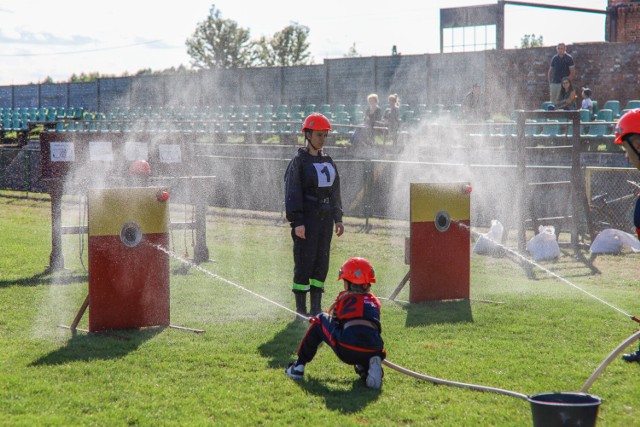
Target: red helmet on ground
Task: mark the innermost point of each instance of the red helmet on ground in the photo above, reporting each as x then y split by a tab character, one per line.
140	167
628	123
316	121
358	271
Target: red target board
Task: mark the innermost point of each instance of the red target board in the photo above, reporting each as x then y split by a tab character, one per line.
128	274
439	254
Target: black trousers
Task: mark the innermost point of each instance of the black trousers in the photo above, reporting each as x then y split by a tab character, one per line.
311	255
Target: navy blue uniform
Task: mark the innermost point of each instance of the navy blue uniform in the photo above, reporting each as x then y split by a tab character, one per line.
312	199
352	330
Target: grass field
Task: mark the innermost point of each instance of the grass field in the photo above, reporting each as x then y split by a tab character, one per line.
524	335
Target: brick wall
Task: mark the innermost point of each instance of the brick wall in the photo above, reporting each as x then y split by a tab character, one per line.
623	22
611	70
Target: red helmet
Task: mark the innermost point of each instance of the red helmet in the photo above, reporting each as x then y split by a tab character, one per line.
316	121
358	271
140	167
628	123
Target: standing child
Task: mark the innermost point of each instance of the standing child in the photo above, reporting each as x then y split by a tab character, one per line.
351	327
314	208
587	103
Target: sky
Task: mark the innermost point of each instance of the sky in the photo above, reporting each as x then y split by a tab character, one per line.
44	38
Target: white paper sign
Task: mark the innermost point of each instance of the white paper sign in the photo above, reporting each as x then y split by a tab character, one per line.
62	151
100	151
170	153
136	151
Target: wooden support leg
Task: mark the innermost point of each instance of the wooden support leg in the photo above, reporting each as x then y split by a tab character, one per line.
83	308
403	282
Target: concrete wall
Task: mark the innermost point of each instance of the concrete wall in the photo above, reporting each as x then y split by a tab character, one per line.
511	79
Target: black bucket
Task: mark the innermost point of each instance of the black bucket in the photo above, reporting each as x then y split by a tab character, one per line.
564	409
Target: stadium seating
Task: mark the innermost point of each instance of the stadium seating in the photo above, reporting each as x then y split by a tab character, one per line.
614	106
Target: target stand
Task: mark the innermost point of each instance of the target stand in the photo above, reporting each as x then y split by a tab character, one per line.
128	271
438	248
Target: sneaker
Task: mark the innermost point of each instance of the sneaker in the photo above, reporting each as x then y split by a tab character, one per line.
295	371
374	377
361	371
632	357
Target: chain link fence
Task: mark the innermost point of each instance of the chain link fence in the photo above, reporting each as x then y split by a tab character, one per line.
612	195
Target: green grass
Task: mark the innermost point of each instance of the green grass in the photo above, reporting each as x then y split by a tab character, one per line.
536	336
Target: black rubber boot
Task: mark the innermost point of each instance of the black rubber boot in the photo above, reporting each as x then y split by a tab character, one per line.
316	300
301	303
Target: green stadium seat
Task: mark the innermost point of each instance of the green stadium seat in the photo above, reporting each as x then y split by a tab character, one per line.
597	130
605	114
295	109
634	103
282	109
267	112
614	106
325	109
550	129
309	108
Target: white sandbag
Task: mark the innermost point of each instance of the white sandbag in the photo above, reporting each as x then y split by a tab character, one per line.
613	241
487	244
544	246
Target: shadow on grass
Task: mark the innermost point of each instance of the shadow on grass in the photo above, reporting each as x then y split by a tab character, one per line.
281	351
434	312
86	347
347	401
45	278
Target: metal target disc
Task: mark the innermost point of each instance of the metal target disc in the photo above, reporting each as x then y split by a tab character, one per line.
131	234
442	221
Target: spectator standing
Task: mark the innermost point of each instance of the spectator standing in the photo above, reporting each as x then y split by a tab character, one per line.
562	65
372	118
391	118
351	327
313	208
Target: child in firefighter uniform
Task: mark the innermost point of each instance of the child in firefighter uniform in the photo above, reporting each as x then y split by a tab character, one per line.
627	134
313	208
351	327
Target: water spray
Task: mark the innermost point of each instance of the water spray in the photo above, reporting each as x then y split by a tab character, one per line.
549	272
546	407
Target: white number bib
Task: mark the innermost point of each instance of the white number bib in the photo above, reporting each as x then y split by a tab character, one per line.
326	174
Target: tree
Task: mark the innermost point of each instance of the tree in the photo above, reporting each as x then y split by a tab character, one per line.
286	48
352	53
530	40
219	43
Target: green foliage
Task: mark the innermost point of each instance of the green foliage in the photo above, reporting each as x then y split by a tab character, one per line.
219	43
287	47
529	336
530	40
